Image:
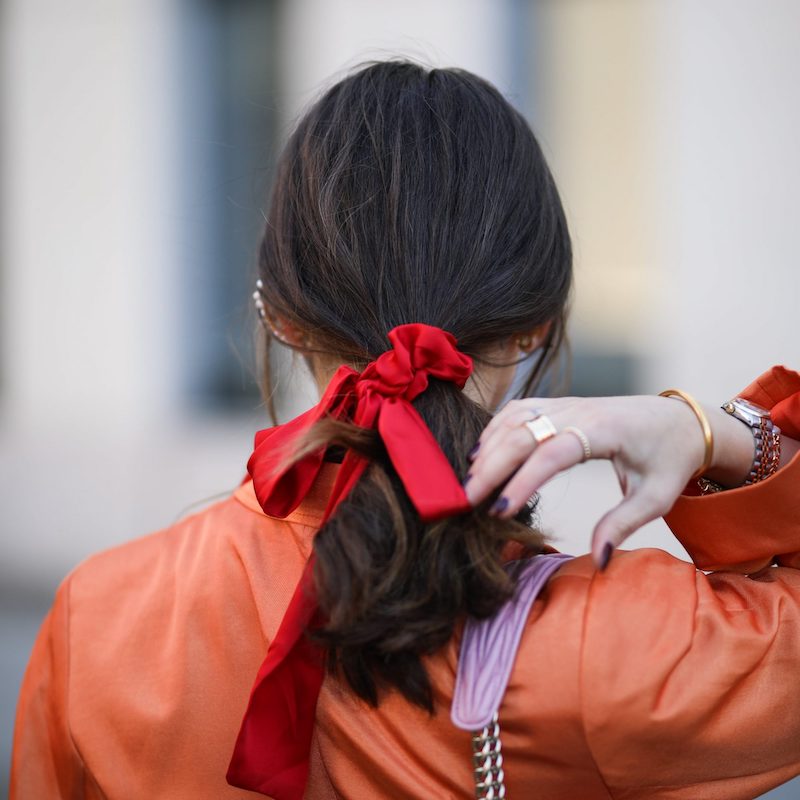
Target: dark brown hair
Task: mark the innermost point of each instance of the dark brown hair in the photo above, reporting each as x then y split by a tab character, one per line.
410	194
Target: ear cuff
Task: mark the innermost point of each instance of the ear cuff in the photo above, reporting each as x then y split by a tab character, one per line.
258	301
261	308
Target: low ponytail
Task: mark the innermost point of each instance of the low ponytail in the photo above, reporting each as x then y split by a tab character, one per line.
391	586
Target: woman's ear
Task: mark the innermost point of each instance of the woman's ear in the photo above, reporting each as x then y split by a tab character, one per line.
531	340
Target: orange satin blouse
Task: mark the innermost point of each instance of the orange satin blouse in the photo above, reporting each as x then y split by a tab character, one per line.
651	680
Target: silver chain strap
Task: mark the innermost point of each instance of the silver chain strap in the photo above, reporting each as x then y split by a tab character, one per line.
487	762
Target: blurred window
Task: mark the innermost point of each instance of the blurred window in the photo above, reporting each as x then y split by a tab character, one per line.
228	84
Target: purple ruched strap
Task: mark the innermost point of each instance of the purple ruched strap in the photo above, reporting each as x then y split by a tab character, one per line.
489	646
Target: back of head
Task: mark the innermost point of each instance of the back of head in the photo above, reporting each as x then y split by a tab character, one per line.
408	194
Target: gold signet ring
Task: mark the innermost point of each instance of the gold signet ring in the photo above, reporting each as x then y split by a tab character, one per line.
541	428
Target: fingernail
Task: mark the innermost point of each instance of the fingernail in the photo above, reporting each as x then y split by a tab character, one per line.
467	479
474	450
499	505
608	548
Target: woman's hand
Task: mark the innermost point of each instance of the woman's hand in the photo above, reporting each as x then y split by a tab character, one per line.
655	445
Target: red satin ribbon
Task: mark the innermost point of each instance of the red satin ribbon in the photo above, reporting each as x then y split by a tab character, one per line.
271	755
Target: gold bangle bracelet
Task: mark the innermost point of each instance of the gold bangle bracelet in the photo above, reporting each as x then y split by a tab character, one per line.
708	437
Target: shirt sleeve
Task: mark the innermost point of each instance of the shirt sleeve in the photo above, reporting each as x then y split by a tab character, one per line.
689	681
751	527
45	762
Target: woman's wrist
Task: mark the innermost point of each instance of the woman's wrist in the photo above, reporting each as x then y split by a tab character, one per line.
734	448
789	449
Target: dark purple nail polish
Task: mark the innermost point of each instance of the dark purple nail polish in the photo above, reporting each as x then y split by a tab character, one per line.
608	548
499	505
474	450
467	479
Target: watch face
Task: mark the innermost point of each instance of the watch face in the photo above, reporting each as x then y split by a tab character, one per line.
746	405
746	411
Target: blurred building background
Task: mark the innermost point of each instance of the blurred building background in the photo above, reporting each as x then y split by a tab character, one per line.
137	141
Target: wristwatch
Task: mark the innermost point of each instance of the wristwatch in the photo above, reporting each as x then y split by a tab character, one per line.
766	438
766	435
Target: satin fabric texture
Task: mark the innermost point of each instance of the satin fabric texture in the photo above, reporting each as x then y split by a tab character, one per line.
650	680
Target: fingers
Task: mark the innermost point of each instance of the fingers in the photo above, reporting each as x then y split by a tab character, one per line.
496	461
644	505
548	459
506	443
515	412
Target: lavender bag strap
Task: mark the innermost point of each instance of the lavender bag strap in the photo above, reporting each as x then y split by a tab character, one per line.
489	647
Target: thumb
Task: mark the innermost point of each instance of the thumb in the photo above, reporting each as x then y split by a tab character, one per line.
620	522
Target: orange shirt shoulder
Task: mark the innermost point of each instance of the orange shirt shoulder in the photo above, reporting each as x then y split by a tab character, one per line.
141	673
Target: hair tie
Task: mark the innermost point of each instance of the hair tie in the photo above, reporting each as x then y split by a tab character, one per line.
272	749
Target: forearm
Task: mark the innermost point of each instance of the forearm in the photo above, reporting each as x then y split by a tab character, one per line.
750	526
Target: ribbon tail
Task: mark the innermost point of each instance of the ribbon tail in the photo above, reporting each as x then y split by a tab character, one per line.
272	749
427	475
281	489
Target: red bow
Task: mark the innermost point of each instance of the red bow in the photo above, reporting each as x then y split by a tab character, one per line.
272	750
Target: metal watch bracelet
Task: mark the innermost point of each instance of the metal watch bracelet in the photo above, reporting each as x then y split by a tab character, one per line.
766	441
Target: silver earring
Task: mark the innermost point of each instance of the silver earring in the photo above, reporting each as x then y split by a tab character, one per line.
258	299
